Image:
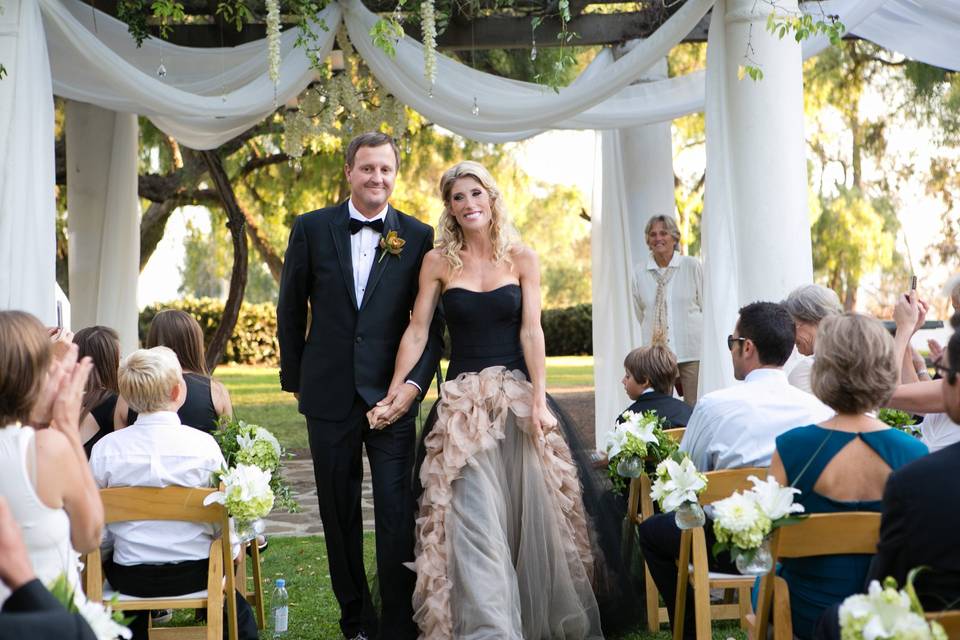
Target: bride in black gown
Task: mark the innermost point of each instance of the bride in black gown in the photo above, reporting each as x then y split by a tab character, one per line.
504	546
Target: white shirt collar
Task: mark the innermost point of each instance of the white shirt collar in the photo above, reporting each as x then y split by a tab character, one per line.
674	261
766	373
356	215
157	418
646	391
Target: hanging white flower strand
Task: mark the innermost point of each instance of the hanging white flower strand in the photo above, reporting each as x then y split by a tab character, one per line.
428	23
273	43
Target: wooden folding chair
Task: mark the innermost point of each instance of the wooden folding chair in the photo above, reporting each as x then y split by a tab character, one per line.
693	568
949	620
639	508
255	595
123	504
820	534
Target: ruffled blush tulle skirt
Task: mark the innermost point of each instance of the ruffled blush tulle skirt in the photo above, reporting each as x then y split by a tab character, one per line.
503	549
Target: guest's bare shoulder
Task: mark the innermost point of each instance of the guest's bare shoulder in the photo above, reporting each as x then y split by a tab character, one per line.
525	259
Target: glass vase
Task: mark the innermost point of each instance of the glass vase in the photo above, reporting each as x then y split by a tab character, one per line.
630	467
249	530
759	564
690	516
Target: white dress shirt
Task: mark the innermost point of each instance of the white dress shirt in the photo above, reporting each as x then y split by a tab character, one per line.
738	426
938	431
157	451
684	304
363	249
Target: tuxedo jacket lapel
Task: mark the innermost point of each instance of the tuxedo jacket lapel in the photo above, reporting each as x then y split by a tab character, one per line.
340	229
380	261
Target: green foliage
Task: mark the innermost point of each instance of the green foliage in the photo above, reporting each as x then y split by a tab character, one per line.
235	11
254	339
386	33
165	12
134	13
804	26
568	331
3	72
900	420
227	436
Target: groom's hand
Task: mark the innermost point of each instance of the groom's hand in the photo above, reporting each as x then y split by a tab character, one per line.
395	405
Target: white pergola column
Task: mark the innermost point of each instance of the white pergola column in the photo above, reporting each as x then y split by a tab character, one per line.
637	182
27	205
104	219
756	229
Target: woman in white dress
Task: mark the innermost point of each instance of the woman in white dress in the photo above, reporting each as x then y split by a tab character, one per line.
43	469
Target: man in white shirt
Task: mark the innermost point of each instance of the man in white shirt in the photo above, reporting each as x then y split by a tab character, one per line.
159	558
735	427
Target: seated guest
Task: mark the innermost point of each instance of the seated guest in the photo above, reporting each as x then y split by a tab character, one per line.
734	427
100	399
154	559
808	305
207	399
920	519
648	380
842	463
43	471
31	611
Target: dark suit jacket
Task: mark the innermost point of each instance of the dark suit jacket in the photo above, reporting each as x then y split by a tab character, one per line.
352	344
675	412
921	526
32	612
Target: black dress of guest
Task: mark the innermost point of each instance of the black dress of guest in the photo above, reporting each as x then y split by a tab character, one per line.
197	410
675	412
103	414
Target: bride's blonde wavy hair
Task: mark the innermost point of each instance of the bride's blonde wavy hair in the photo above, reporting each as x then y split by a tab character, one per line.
503	235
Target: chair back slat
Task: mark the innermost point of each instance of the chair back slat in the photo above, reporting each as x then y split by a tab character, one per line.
675	434
123	504
949	620
823	534
722	484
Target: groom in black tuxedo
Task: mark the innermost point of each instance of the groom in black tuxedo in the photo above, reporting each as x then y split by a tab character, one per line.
361	285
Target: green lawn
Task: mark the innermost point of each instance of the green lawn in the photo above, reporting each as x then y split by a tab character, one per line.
313	608
257	397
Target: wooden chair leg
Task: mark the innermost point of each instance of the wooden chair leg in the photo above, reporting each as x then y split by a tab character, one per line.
743	601
701	584
683	578
259	604
652	597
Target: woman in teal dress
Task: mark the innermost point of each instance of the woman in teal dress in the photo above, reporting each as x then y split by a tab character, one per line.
842	464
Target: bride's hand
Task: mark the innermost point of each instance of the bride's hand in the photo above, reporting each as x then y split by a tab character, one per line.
541	418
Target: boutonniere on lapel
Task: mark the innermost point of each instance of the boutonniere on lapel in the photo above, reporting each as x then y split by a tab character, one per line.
392	243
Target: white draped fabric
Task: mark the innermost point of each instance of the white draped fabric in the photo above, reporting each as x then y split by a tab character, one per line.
208	96
104	221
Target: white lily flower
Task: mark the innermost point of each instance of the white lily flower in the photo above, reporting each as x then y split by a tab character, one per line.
774	500
101	622
616	438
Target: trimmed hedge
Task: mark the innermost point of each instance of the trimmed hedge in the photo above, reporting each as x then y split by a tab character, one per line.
567	331
254	339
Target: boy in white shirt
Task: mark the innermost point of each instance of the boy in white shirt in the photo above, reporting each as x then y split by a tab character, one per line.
159	558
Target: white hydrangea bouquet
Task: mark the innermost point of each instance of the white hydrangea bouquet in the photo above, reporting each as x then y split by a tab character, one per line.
884	613
247	496
743	522
635	439
251	444
106	623
676	487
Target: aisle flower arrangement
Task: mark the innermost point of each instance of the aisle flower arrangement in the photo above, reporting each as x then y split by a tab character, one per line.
636	441
106	623
743	522
886	613
676	487
243	443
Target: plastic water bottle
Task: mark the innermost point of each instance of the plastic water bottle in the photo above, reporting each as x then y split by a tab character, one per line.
279	609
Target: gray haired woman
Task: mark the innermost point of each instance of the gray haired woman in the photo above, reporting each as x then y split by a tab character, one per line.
808	305
668	299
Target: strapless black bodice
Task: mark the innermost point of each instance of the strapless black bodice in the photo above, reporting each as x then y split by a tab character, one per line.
484	329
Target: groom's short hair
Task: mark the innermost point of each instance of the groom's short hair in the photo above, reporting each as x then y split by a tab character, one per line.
371	139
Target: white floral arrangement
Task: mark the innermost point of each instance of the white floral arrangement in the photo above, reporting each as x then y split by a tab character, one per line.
677	483
246	493
636	435
273	41
105	623
885	613
258	447
742	521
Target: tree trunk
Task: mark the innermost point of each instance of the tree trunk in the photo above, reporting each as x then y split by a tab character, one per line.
236	221
270	257
152	226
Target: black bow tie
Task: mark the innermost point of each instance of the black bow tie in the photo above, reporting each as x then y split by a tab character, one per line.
356	225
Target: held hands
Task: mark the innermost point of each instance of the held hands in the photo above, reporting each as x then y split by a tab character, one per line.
398	401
